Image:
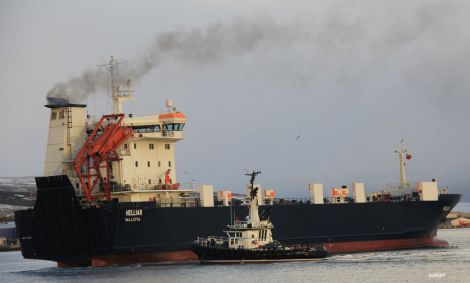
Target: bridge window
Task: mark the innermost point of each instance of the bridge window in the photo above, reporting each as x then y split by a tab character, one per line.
167	146
148	163
53	115
61	114
169	163
135	146
151	146
173	126
150	181
146	129
137	164
159	164
125	146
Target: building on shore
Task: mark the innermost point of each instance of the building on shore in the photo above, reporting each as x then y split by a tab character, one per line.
460	222
8	239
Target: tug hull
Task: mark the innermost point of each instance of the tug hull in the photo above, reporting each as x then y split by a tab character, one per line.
216	255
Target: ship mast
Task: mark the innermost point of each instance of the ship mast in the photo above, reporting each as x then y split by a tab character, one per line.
254	216
117	95
401	154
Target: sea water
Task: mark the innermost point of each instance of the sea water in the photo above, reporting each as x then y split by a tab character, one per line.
450	264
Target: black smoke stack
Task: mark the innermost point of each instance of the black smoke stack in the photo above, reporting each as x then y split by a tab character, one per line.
57	102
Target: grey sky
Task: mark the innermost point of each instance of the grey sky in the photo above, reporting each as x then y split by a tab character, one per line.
351	78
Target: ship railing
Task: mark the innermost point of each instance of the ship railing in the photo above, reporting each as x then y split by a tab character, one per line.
292	200
186	186
115	187
211	241
339	200
304	246
444	191
167	133
177	202
159	134
201	241
393	186
239	224
376	197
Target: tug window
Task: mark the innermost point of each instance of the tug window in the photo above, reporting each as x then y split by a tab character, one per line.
167	146
53	115
148	163
125	146
159	164
150	181
151	146
135	146
169	163
137	164
61	114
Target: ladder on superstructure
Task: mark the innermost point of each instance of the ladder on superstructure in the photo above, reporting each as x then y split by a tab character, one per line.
69	123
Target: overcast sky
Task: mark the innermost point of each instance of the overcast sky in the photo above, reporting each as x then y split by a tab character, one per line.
305	91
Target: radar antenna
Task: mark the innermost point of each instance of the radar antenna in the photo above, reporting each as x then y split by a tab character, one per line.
253	190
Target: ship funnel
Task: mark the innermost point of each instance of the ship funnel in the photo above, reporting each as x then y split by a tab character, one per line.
67	134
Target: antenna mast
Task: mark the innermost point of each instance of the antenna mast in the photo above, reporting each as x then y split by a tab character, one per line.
401	154
252	181
253	213
117	95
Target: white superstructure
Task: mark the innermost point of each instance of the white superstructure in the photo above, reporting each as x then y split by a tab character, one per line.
146	160
145	166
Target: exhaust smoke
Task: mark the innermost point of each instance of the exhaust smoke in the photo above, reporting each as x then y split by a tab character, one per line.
198	46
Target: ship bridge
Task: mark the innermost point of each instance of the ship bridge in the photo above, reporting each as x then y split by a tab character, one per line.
144	160
168	126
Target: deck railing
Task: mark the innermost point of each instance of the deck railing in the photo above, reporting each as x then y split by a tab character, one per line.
177	202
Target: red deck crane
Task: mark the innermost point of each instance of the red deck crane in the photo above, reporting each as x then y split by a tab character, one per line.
98	152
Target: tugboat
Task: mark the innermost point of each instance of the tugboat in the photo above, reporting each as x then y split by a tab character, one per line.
251	241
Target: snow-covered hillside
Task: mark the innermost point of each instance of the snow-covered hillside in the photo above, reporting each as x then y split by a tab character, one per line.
16	193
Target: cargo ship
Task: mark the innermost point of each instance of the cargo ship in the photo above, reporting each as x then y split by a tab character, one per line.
110	196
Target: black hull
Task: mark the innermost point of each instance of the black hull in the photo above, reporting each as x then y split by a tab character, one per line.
59	229
226	255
